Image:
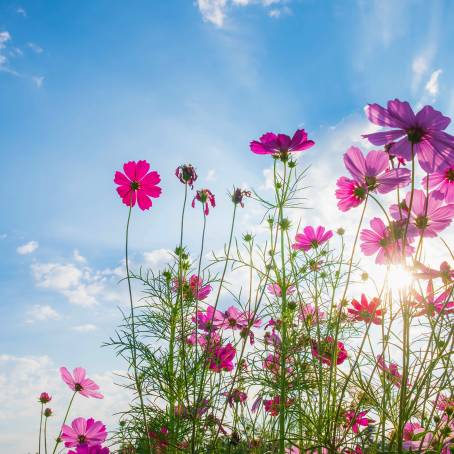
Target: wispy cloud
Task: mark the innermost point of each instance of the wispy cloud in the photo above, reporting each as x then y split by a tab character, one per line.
87	328
432	86
213	11
35	47
21	11
40	313
211	175
28	248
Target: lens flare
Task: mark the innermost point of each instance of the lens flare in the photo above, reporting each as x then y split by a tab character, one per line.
399	279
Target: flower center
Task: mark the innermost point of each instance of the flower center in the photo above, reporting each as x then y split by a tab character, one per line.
314	244
422	222
78	387
82	439
415	134
450	175
371	183
135	185
359	193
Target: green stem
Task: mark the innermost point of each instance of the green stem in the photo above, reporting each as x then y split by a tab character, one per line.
40	427
64	421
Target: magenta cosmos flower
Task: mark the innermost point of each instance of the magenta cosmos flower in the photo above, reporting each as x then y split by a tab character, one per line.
413	438
84	432
366	311
206	198
210	320
85	449
424	131
429	215
194	289
382	240
311	238
443	181
431	305
79	383
221	357
281	144
275	289
373	171
356	419
350	193
272	406
137	184
236	319
327	352
390	372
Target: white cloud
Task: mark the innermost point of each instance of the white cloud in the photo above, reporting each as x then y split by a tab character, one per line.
78	258
21	11
38	81
158	258
40	313
432	86
211	175
85	328
213	11
4	38
35	47
28	248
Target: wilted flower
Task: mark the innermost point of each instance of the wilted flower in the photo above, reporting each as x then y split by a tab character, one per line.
390	372
186	174
194	289
238	196
272	406
206	198
236	396
48	412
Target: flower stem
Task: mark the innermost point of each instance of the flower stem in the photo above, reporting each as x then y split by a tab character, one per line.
64	421
40	427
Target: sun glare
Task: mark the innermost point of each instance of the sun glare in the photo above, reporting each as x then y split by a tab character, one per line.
399	279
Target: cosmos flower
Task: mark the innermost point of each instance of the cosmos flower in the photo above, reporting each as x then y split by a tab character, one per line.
350	193
424	131
186	174
326	351
442	181
412	439
445	272
272	406
372	171
137	184
237	396
85	449
275	289
44	398
206	198
84	432
390	372
365	311
311	239
310	315
210	320
236	319
281	144
79	383
221	357
431	306
356	419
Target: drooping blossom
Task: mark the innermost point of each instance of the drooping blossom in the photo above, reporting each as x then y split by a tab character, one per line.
429	215
326	351
275	289
206	198
366	311
136	183
236	396
310	315
373	171
221	358
311	238
239	195
186	174
350	193
390	372
412	438
84	432
424	132
384	241
210	320
48	412
194	289
281	144
85	449
79	383
44	398
355	420
442	181
272	406
430	305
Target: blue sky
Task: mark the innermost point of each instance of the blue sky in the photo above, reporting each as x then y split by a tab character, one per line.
86	86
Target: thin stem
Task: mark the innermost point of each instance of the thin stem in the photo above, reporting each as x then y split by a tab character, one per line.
64	421
40	427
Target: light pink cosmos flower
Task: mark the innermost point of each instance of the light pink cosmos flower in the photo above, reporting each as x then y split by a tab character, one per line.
275	289
443	181
281	144
373	172
210	320
311	238
137	184
390	372
429	215
199	291
431	306
425	131
412	439
79	383
236	319
382	240
350	193
310	315
84	432
206	198
356	419
366	311
445	272
326	351
221	357
85	449
444	403
204	340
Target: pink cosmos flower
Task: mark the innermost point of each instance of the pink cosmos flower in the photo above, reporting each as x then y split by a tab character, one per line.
445	273
356	419
237	396
85	449
281	144
221	358
444	403
79	383
186	174
209	321
160	439
84	432
207	339
382	239
350	193
326	351
357	450
310	315
442	181
199	291
429	215
431	306
412	438
206	198
238	320
373	172
425	131
390	372
272	406
272	363
311	239
272	338
44	398
365	311
137	184
275	289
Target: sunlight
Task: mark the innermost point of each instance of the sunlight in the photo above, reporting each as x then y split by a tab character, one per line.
399	278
